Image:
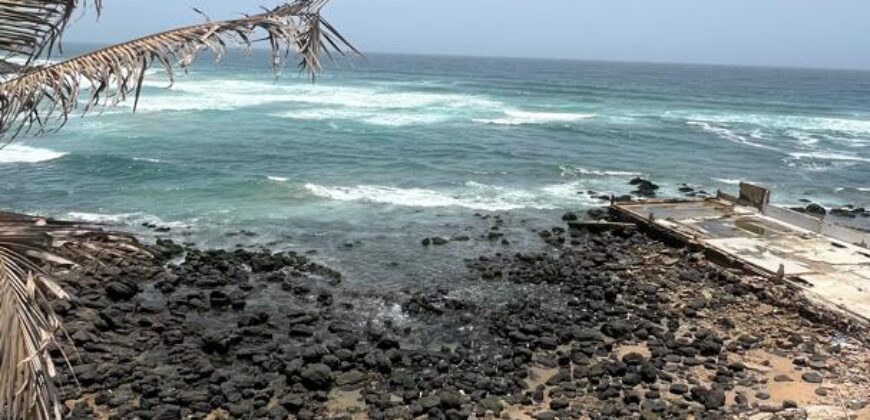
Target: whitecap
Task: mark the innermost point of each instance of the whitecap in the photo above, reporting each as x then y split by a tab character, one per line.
805	139
228	94
100	218
388	119
730	135
828	156
795	123
130	219
475	196
863	189
149	160
277	178
568	171
513	117
16	153
731	181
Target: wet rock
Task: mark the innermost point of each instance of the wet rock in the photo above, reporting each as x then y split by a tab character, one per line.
117	290
219	299
292	402
317	376
353	377
558	404
437	240
167	412
815	210
644	187
712	399
546	415
679	389
812	377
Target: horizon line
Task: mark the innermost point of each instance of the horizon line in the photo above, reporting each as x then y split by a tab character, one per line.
570	59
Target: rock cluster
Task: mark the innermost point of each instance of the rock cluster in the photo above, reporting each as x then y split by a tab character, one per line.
613	324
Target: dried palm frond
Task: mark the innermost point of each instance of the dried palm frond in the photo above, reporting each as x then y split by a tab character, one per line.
27	322
29	28
40	97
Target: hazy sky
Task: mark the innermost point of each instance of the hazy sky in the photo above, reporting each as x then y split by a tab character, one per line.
803	33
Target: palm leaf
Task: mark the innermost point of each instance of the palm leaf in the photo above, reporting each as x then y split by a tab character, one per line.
31	27
27	321
41	97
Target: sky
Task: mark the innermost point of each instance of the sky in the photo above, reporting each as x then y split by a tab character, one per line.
788	33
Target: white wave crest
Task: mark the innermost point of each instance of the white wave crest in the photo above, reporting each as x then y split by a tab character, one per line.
388	119
475	196
731	181
17	153
130	219
730	135
863	189
149	160
828	156
277	178
526	117
230	94
781	122
576	171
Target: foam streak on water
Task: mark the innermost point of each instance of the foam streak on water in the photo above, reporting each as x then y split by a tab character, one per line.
475	196
17	153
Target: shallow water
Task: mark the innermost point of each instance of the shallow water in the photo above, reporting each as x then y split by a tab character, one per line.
385	151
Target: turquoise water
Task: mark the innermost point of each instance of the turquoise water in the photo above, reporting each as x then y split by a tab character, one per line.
386	150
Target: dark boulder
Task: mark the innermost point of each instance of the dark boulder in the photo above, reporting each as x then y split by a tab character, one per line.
117	290
317	376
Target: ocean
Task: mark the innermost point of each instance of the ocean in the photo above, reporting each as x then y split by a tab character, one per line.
383	151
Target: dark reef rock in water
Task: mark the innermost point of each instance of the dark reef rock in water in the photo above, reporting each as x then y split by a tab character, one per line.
644	187
815	210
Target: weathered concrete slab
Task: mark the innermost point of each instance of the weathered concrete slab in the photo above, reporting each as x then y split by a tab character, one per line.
830	262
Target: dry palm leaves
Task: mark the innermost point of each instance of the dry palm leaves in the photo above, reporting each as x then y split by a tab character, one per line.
27	322
30	27
44	97
41	97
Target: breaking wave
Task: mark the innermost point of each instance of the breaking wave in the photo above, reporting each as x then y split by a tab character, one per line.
16	153
782	122
731	135
390	119
149	160
277	178
526	117
730	181
475	196
828	156
233	94
576	171
130	219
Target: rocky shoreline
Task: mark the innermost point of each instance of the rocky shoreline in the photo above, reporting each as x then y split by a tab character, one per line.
606	325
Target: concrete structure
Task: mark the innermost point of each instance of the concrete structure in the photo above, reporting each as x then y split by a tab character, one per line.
830	262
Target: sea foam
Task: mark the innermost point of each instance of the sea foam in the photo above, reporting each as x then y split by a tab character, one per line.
129	219
576	171
828	156
227	94
16	153
731	135
475	196
781	122
514	117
